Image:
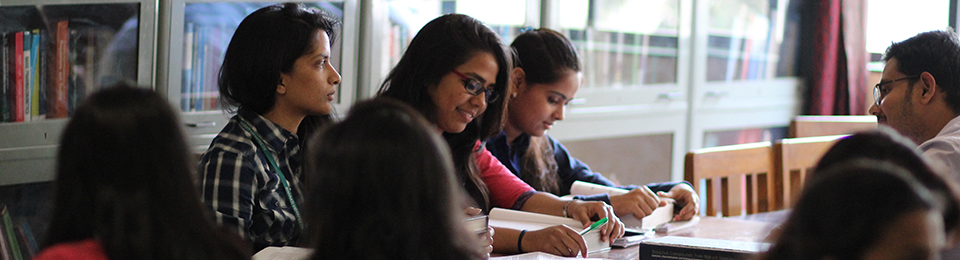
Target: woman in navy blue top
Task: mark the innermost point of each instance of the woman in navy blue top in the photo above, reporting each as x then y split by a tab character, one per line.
547	77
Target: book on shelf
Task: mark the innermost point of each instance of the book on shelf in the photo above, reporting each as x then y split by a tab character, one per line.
43	77
61	72
10	235
17	50
187	77
27	75
28	243
35	69
676	247
4	78
79	37
199	63
520	220
5	252
659	216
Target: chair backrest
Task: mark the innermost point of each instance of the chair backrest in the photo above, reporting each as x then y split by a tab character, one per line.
735	176
806	126
794	159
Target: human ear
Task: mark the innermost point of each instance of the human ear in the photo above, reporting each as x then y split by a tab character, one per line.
281	88
930	87
519	81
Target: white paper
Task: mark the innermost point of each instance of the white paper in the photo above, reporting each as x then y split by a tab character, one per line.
283	253
536	256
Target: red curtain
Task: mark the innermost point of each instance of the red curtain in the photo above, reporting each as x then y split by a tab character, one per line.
836	74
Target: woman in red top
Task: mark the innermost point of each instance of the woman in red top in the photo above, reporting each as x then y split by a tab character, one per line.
453	72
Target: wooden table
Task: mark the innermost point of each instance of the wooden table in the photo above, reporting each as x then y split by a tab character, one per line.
709	227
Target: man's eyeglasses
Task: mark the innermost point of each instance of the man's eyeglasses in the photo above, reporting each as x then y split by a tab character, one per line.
475	87
878	94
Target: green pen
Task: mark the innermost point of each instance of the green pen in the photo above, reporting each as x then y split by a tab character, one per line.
594	226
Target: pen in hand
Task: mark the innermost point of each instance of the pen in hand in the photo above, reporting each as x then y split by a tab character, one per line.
594	226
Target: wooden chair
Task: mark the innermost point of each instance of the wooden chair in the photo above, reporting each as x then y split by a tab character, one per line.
806	126
735	176
794	159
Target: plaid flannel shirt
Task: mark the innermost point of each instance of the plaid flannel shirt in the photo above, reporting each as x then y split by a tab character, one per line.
243	190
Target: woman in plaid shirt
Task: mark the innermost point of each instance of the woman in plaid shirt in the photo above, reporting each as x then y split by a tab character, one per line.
277	73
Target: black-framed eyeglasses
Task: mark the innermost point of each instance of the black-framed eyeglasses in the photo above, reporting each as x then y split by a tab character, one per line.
878	94
475	87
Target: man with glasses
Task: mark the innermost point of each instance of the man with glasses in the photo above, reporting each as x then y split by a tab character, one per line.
919	94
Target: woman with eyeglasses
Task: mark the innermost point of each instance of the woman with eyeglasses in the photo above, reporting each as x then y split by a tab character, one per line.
454	72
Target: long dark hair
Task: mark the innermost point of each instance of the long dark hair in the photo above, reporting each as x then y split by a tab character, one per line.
885	144
843	212
384	188
124	178
267	43
441	45
544	55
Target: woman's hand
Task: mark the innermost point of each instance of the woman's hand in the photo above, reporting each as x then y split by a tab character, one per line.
486	242
588	212
640	202
486	239
686	197
558	240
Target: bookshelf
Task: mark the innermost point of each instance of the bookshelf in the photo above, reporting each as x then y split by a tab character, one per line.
99	43
193	37
85	45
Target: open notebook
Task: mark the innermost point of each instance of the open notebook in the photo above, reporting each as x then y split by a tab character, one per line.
508	218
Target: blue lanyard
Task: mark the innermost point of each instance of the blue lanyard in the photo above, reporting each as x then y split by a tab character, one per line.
283	178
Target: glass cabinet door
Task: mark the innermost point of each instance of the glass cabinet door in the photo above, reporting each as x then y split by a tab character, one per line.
635	72
206	32
744	69
194	38
402	19
624	43
744	40
52	55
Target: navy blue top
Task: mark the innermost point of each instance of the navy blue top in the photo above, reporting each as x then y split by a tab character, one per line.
569	169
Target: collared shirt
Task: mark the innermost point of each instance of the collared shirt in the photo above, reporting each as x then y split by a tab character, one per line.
243	190
944	149
569	169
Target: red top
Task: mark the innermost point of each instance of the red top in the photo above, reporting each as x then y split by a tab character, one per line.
505	188
88	249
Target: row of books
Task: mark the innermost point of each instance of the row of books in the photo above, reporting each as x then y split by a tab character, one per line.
203	48
35	74
16	240
45	72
